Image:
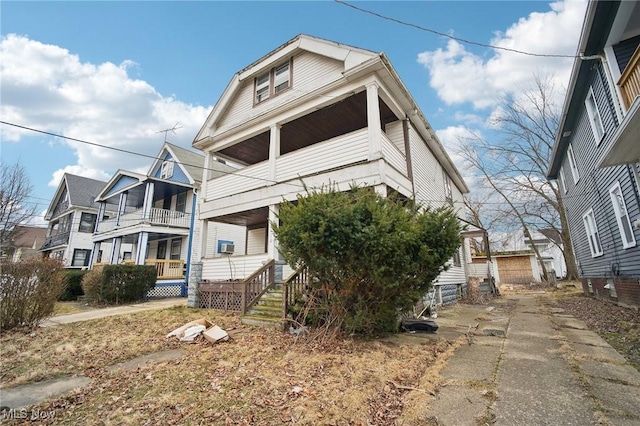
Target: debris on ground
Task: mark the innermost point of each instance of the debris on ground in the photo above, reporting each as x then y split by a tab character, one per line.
200	327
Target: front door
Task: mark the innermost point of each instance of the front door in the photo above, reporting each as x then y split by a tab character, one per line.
162	250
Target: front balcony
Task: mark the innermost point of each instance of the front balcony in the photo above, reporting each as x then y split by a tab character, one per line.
330	155
630	80
157	217
55	240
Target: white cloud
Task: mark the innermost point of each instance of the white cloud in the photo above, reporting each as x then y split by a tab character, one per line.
48	88
79	171
460	76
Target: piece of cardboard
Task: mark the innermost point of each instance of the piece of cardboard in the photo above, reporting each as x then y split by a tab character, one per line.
215	334
179	332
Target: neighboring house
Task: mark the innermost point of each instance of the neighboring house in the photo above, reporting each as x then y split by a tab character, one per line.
154	217
516	267
319	113
72	218
549	246
25	243
596	154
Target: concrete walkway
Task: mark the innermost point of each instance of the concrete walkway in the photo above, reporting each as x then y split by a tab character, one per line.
548	370
117	310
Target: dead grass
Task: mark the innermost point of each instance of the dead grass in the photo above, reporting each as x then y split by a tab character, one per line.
66	308
259	377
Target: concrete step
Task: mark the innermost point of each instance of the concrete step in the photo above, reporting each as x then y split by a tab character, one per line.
275	311
262	321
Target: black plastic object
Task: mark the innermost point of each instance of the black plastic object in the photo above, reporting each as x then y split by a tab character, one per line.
419	326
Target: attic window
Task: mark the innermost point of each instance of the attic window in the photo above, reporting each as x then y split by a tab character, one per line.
272	82
167	170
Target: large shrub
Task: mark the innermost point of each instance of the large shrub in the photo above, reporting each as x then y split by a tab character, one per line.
371	257
119	283
28	291
72	280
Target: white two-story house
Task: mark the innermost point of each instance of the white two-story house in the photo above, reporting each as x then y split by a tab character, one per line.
314	112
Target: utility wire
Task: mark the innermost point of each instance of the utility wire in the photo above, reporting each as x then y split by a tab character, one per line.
462	40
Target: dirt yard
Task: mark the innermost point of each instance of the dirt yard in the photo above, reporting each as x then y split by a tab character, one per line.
259	377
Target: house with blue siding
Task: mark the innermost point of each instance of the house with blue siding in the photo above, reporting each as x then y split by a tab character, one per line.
154	219
596	156
323	113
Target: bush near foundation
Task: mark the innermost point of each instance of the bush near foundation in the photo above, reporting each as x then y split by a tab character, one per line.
72	280
114	284
29	291
370	257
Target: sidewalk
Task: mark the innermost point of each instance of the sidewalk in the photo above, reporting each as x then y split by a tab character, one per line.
118	310
548	370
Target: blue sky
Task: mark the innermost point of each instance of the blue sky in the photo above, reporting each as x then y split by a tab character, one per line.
116	73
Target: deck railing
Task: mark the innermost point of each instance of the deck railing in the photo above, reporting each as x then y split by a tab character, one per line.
630	80
165	217
55	240
237	295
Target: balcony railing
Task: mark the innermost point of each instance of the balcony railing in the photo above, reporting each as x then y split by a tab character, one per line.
630	80
169	218
166	269
55	240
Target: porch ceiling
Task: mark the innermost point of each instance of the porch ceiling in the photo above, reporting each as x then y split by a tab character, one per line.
246	218
337	119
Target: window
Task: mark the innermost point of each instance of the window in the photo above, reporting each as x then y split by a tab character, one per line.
456	258
126	255
167	170
181	202
272	82
622	216
592	233
594	116
563	180
448	194
176	249
81	257
573	164
99	258
87	222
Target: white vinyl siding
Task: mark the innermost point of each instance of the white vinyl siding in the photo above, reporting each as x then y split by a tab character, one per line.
593	236
256	241
594	116
622	216
572	163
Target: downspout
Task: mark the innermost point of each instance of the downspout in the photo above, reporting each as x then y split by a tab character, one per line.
190	244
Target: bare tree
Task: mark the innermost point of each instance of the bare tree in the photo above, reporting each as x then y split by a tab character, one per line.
15	209
515	168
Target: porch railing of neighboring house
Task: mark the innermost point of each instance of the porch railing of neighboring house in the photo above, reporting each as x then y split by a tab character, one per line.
294	286
237	295
167	269
157	217
630	80
55	240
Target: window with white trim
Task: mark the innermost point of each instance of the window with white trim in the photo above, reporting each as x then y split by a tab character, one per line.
572	163
563	180
448	193
272	82
594	116
622	216
81	257
167	170
593	236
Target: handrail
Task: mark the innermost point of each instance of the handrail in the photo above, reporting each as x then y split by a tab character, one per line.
257	283
292	287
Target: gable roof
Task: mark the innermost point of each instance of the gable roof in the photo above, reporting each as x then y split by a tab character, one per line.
356	61
81	192
29	236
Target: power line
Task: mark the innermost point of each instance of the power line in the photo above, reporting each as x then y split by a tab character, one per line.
462	40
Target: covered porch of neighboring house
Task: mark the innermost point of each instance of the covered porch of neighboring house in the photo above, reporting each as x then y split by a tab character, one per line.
481	269
153	218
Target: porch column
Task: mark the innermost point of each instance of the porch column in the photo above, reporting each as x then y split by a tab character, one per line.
274	151
115	250
374	122
148	200
141	252
272	241
122	204
102	206
381	190
94	254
